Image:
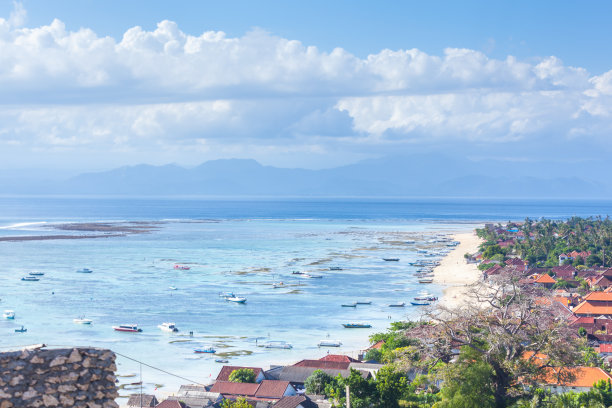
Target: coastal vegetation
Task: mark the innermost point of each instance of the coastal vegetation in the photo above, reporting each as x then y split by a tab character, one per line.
242	375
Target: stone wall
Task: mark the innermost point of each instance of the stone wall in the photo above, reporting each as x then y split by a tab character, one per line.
79	377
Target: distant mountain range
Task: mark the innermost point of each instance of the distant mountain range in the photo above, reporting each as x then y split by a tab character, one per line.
412	176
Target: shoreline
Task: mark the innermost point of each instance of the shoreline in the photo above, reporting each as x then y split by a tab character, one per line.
454	274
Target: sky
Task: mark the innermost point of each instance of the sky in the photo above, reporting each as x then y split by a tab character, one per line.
91	85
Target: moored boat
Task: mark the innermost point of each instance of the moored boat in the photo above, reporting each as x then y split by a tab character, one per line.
182	267
391	259
132	328
400	304
356	325
420	303
221	360
82	320
236	299
429	280
30	279
168	327
35	273
335	268
329	343
8	314
208	350
354	304
364	302
84	270
278	345
22	330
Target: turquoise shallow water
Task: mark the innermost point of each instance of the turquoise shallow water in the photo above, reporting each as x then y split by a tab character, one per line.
235	246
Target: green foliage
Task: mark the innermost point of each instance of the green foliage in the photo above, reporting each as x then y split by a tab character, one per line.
240	402
316	383
468	383
492	250
391	385
582	332
373	355
363	392
242	375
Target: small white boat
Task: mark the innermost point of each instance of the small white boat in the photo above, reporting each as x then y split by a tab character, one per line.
278	345
168	327
330	343
82	320
236	299
226	294
172	287
276	285
8	314
311	276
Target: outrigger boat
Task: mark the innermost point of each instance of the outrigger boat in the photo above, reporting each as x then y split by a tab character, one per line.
278	345
132	328
82	320
208	350
364	302
236	299
401	304
425	280
391	259
354	325
36	273
84	270
22	330
329	343
420	303
8	314
30	279
349	304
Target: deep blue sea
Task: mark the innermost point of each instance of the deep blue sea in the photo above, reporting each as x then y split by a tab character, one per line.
242	246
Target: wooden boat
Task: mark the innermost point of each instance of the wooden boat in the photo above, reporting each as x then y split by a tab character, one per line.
349	304
335	268
208	350
400	304
182	267
420	303
131	328
22	330
36	274
391	259
329	343
354	325
221	360
364	302
84	270
311	276
278	345
30	279
425	280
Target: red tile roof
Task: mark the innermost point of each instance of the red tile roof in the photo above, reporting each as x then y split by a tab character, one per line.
583	376
545	278
605	348
232	388
290	402
336	365
339	358
586	308
599	297
227	370
272	389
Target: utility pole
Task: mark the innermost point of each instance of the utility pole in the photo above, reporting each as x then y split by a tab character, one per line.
348	397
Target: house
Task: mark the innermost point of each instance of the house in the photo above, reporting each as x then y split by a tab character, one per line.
142	400
371	368
583	379
197	396
595	304
565	272
226	371
341	358
298	375
337	365
544	280
266	390
570	256
170	404
295	401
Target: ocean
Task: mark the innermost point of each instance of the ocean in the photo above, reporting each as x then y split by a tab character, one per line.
238	245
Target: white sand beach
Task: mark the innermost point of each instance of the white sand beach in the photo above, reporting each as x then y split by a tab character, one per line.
455	273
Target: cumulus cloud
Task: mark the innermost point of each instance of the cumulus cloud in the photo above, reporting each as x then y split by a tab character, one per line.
66	89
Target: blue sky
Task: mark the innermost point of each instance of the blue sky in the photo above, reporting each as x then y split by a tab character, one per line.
293	83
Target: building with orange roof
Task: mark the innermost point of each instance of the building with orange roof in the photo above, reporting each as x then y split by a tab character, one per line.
545	280
595	304
583	379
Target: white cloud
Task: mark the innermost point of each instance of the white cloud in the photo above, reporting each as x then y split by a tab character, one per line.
66	89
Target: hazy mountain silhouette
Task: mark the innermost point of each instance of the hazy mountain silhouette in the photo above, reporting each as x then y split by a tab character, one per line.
412	176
